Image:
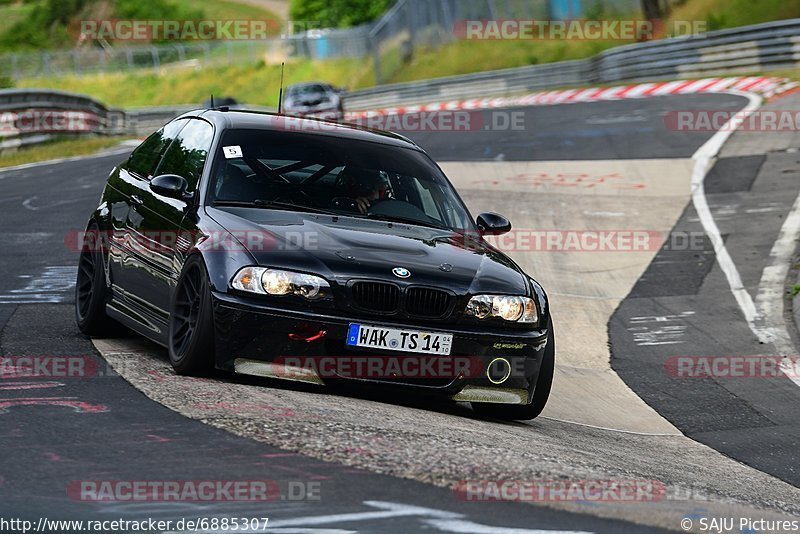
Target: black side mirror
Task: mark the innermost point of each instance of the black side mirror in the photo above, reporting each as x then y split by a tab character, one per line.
493	224
171	186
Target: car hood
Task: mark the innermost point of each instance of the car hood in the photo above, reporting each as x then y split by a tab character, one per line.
346	248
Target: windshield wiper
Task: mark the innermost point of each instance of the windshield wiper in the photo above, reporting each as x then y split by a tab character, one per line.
271	204
408	220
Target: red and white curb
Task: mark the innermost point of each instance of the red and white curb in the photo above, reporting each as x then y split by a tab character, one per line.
767	87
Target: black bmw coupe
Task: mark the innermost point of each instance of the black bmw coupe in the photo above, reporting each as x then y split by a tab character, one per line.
305	250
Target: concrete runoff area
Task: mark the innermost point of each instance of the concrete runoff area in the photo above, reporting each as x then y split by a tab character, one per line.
584	286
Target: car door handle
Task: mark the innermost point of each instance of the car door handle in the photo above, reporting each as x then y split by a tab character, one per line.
136	199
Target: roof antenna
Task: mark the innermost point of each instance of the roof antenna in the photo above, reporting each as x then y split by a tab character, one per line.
212	100
280	94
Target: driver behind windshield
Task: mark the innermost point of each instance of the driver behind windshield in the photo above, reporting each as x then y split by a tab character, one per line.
364	186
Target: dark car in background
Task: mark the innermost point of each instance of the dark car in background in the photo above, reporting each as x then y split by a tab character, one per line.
245	246
314	99
223	101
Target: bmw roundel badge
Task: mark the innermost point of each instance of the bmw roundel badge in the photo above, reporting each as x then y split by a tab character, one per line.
401	272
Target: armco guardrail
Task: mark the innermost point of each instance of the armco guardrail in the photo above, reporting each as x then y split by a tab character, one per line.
144	121
760	47
29	116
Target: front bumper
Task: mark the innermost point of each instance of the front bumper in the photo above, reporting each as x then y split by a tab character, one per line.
258	339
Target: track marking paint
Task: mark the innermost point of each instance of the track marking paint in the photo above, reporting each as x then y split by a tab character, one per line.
654	330
53	285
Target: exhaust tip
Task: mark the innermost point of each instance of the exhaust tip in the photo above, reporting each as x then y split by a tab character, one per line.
498	371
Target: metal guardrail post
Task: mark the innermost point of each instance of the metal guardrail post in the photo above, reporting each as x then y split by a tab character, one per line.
376	58
411	22
492	5
155	56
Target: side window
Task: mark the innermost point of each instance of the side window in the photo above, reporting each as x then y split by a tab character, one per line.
187	155
144	159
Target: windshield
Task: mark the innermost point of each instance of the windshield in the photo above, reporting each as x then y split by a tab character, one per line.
321	173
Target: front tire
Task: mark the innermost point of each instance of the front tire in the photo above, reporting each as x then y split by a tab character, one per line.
541	392
90	287
191	324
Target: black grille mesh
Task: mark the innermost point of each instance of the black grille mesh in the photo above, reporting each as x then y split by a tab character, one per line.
385	298
427	302
376	296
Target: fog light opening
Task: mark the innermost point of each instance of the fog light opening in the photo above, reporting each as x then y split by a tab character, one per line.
498	371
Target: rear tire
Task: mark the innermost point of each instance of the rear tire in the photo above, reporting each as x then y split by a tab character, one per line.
541	393
191	324
90	287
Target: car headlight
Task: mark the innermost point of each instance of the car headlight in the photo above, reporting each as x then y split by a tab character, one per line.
508	308
276	282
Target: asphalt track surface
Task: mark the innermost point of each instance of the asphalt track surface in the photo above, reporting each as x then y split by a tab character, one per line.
62	430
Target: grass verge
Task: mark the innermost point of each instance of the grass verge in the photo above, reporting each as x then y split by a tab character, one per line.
255	84
57	148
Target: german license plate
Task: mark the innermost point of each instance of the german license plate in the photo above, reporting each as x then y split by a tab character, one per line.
378	337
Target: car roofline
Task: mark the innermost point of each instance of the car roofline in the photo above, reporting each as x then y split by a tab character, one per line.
201	113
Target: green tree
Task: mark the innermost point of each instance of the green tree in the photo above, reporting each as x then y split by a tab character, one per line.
338	13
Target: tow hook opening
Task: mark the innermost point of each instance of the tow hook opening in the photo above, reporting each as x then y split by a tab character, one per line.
306	333
498	371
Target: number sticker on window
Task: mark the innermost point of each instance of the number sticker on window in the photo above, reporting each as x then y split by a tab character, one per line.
232	151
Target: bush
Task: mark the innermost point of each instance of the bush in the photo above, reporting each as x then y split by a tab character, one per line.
49	24
44	26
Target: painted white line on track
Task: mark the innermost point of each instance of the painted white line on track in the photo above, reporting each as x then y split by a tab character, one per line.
764	315
386	510
468	527
769	300
703	159
442	520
